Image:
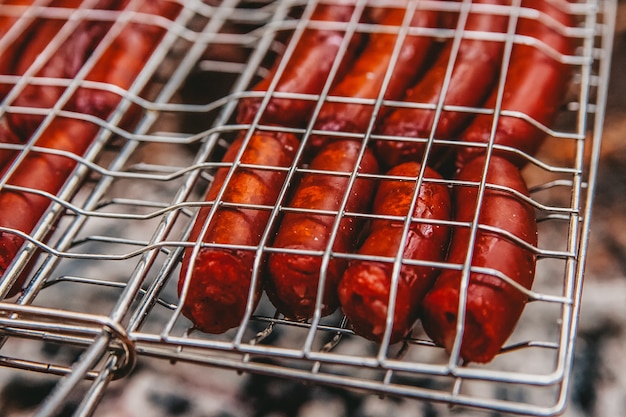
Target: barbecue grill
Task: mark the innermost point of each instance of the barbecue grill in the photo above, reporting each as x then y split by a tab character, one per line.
103	262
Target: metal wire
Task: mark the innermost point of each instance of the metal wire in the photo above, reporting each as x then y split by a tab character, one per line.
122	221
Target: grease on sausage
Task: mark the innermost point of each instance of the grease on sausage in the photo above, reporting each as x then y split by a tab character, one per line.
493	306
307	70
364	290
46	172
365	78
218	280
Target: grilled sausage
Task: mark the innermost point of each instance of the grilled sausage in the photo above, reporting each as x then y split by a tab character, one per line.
8	20
46	172
365	78
536	86
218	279
64	63
7	136
307	70
6	23
293	277
493	306
364	290
473	75
17	57
8	52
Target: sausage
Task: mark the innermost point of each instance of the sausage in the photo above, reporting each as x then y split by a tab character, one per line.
22	52
126	56
216	283
493	306
7	136
8	20
6	23
293	278
307	70
45	172
475	71
536	86
365	78
364	289
64	63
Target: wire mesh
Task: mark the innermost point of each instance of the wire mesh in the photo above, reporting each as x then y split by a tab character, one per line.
101	267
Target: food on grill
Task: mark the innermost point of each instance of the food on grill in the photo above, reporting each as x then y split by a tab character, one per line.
45	172
475	72
307	70
365	78
215	284
294	278
305	262
364	290
63	64
9	137
506	235
6	23
536	86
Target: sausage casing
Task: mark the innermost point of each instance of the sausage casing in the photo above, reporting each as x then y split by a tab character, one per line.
64	63
364	79
294	278
218	279
493	306
307	70
45	172
536	86
7	21
475	70
365	287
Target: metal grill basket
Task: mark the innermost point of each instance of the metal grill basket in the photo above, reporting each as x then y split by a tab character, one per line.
107	252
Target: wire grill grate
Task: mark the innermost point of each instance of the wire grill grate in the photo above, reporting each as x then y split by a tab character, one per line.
108	250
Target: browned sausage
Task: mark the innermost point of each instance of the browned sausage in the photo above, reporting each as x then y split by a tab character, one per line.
493	306
536	86
307	70
45	172
365	78
365	287
293	277
219	283
8	52
7	136
8	20
64	63
474	73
